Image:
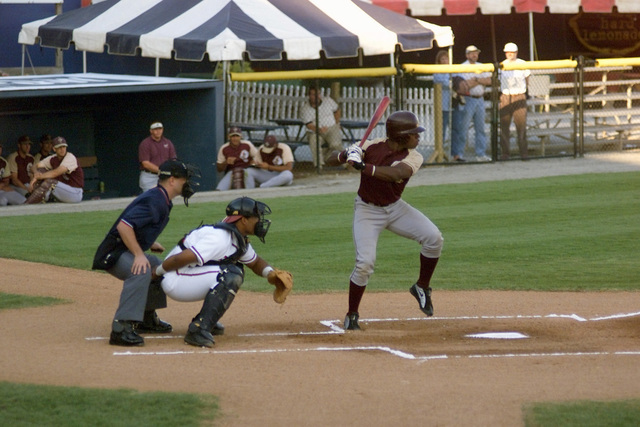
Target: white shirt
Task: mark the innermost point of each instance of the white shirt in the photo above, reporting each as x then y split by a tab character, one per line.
326	109
513	82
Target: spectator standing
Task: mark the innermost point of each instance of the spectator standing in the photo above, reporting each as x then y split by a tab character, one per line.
58	175
274	164
152	152
8	196
234	157
329	130
473	109
513	103
450	105
46	148
21	163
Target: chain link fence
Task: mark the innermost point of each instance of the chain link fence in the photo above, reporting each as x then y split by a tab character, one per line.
565	111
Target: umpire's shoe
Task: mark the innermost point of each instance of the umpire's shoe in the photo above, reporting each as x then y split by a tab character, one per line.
122	333
351	322
152	324
198	337
424	298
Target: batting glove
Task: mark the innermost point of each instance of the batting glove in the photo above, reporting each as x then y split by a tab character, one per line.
354	148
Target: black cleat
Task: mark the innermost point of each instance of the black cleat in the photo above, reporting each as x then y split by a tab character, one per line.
218	329
152	324
424	298
351	322
198	337
123	334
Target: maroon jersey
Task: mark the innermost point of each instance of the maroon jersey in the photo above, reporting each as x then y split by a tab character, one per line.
24	167
156	152
376	191
73	179
244	153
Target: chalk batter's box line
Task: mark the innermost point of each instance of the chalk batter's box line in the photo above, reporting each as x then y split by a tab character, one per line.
394	352
399	353
334	329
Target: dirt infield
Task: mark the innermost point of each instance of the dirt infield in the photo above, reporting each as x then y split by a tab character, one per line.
294	365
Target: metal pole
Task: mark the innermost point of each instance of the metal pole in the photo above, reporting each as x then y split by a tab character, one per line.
581	106
23	51
495	116
531	37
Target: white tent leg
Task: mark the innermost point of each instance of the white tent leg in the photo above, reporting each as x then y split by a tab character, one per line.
84	61
157	67
531	58
23	50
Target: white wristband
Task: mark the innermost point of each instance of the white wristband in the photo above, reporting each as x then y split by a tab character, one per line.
268	269
160	271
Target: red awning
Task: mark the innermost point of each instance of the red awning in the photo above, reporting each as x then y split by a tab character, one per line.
500	7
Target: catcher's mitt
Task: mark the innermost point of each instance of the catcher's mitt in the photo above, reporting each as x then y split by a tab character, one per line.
283	281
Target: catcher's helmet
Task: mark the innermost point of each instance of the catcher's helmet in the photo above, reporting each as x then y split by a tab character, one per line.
247	207
402	123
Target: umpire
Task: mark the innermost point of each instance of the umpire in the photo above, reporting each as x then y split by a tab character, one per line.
122	254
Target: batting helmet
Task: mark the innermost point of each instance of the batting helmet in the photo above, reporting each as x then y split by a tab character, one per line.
402	123
247	207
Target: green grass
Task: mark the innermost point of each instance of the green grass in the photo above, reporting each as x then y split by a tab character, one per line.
41	405
625	413
567	233
8	301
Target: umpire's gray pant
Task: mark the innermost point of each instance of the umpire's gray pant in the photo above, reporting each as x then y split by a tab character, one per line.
138	294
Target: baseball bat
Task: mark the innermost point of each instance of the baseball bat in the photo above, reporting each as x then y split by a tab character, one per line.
377	115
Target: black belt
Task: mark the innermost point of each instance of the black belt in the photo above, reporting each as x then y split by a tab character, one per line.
476	96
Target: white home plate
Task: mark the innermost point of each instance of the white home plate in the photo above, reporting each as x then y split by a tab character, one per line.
499	335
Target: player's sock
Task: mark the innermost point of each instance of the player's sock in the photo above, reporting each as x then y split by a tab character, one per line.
355	296
427	267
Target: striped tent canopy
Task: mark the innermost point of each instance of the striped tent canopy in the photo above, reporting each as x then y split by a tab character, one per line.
229	29
498	7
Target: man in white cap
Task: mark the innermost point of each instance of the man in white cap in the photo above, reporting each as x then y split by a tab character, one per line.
58	175
274	164
513	103
153	151
473	109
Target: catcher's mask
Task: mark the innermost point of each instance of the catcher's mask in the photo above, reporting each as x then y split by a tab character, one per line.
247	207
179	169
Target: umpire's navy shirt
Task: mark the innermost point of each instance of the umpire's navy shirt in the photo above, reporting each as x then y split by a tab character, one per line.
147	215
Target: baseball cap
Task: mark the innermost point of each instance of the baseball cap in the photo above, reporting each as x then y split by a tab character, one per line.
59	141
510	47
234	130
174	168
156	125
471	48
269	144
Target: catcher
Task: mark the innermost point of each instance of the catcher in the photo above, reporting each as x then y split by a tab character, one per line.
208	264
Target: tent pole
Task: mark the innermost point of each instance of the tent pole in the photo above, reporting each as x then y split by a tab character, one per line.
23	50
531	58
157	67
84	61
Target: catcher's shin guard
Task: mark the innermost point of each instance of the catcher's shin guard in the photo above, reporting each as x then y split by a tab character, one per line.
40	191
219	298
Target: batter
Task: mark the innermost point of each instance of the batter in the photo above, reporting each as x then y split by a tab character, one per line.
386	164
